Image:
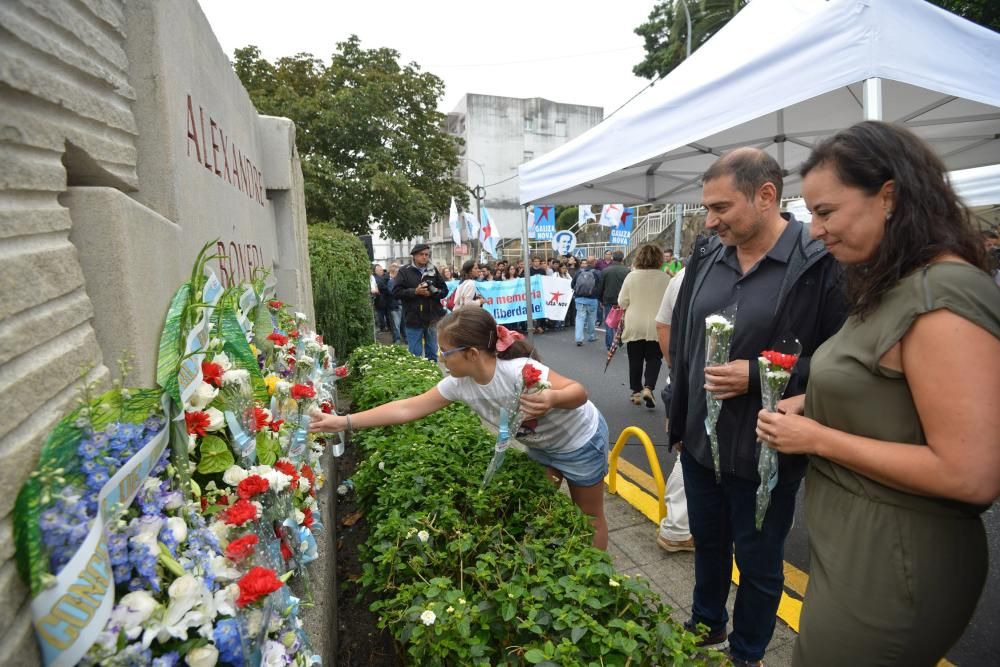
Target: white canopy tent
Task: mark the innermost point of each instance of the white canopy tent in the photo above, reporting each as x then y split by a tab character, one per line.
979	186
782	75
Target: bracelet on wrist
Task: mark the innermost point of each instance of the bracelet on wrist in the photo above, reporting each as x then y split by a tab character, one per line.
350	429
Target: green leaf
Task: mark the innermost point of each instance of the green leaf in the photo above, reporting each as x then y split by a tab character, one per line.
534	656
238	350
577	633
267	451
507	611
214	455
172	343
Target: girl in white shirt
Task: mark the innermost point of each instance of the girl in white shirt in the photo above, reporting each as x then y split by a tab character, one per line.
485	362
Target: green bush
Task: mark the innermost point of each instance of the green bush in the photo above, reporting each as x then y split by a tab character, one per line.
341	295
502	575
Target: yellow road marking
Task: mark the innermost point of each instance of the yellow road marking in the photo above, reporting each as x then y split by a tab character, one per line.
639	499
641	477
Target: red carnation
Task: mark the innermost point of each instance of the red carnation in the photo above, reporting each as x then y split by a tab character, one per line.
326	407
204	504
261	417
300	391
240	512
294	333
278	339
252	486
530	375
223	500
241	548
212	373
308	521
197	422
308	473
340	371
255	584
275	304
286	551
276	425
288	468
786	361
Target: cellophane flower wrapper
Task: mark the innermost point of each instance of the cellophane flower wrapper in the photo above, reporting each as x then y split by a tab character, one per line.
774	378
511	419
719	330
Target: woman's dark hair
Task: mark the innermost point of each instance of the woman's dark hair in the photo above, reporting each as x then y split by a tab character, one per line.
927	218
473	326
468	268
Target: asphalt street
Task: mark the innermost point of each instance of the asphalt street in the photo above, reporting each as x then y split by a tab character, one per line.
980	645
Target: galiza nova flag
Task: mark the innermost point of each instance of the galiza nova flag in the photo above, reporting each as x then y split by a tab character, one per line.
456	230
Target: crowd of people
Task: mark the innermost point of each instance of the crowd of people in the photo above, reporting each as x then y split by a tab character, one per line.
890	415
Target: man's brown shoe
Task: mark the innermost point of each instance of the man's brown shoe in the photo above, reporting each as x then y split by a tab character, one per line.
674	546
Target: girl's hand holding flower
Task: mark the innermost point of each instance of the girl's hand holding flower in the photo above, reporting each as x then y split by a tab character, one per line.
537	404
324	423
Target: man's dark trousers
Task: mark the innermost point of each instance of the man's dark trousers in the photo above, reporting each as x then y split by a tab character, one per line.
722	515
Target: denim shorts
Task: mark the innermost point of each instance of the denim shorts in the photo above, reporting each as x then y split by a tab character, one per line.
584	466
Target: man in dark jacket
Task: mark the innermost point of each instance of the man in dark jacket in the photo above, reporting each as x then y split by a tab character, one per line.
420	288
783	284
608	287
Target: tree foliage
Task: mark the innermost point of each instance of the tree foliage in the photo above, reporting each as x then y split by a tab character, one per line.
341	294
665	31
369	135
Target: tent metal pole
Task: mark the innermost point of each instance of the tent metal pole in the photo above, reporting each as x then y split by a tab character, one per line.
873	99
678	224
529	323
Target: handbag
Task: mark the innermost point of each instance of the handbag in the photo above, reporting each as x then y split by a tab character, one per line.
614	317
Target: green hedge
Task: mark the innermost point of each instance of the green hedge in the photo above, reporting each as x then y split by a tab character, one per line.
341	295
507	572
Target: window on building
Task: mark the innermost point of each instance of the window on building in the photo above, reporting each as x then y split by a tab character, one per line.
529	124
529	155
561	127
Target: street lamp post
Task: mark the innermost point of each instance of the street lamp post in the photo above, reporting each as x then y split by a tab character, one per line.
479	192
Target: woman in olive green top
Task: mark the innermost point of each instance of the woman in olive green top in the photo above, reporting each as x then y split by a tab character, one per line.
900	415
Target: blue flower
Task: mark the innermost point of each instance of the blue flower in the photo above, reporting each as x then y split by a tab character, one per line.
122	572
88	449
88	467
97	478
171	659
227	640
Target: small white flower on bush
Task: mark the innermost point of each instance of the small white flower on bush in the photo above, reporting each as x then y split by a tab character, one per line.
428	617
423	536
614	583
381	465
450	609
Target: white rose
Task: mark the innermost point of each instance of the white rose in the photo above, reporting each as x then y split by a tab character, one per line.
234	475
223	360
203	656
178	527
185	590
282	387
216	420
202	396
133	610
148	532
428	617
301	317
299	517
423	536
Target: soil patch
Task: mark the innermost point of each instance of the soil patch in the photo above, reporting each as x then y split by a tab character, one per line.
360	641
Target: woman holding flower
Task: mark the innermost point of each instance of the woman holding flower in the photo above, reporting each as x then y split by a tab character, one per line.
487	365
900	417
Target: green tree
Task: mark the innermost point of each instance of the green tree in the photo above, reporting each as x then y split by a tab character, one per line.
665	31
369	135
341	295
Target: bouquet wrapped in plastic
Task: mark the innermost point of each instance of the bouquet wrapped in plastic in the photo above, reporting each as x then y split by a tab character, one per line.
512	418
775	371
719	330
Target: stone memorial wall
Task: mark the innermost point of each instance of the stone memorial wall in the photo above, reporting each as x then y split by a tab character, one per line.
126	144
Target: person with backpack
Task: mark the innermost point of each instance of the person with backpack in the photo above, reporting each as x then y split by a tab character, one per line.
585	295
608	286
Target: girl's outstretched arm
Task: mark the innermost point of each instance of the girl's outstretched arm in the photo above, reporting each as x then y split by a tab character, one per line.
389	414
563	393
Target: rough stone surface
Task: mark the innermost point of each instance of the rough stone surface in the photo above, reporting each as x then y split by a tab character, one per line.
18	647
15	590
129	255
29	327
45	264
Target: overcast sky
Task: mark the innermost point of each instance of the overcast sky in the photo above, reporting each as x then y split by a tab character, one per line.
565	51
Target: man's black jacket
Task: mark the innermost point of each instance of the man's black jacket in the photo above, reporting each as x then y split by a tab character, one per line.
811	298
419	311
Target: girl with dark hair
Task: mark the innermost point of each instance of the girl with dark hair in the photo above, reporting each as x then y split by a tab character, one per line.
900	416
467	293
485	361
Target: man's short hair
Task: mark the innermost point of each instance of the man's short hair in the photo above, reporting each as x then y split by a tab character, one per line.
990	234
750	168
618	256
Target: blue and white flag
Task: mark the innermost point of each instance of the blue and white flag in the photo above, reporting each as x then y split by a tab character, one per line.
611	215
471	228
489	235
544	223
456	230
585	215
621	234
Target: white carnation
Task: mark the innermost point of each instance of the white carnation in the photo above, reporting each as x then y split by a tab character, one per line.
202	396
237	376
428	617
216	420
203	656
234	475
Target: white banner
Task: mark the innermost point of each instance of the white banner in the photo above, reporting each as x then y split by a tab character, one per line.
557	294
69	616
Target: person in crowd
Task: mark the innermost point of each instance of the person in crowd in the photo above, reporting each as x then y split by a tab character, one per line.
783	283
671	265
674	533
553	266
446	272
500	272
383	299
538	268
640	297
420	288
992	244
572	264
608	287
605	261
467	292
393	307
375	297
584	286
485	363
510	273
900	418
